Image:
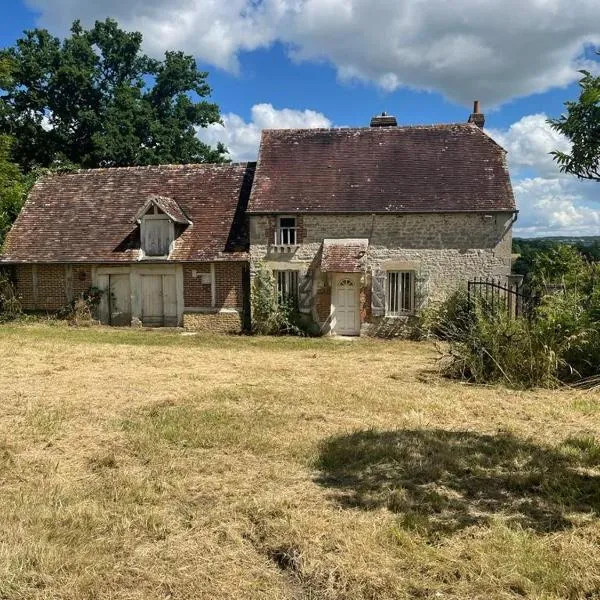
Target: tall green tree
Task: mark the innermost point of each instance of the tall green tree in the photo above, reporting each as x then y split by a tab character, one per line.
13	188
581	125
94	99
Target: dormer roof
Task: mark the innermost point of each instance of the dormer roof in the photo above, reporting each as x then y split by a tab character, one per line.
166	205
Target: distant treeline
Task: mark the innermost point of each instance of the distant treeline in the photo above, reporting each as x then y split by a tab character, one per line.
527	249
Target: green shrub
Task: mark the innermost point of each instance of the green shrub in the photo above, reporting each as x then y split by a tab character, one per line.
445	320
10	303
559	342
271	316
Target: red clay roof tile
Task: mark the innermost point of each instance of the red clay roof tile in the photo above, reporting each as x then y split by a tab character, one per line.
438	168
89	215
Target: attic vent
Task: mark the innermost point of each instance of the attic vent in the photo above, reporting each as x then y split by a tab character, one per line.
384	120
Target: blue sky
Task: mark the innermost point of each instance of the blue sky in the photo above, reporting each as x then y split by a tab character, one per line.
305	63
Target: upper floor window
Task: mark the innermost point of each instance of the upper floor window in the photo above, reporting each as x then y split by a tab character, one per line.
157	235
400	296
286	233
158	217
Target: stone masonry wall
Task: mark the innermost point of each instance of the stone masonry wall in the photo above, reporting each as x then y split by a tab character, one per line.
446	250
227	313
221	322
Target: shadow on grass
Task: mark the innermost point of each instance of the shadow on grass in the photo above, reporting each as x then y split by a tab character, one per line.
441	481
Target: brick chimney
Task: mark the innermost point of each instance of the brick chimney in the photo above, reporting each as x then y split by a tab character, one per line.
384	120
477	117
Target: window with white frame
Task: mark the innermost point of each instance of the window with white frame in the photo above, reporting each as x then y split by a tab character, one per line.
286	233
400	293
287	285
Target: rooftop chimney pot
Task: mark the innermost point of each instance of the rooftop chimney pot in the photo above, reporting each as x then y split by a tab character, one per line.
477	117
384	120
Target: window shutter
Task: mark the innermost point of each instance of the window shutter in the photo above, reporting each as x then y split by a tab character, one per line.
378	293
421	290
305	283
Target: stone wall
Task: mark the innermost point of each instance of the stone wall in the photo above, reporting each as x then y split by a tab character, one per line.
444	250
219	310
226	321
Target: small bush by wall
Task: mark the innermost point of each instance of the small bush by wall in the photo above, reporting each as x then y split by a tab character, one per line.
271	316
10	303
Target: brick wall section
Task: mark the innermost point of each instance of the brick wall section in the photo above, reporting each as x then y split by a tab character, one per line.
51	285
229	291
24	285
323	304
82	279
195	293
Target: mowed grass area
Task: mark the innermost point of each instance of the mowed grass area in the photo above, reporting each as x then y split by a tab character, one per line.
148	464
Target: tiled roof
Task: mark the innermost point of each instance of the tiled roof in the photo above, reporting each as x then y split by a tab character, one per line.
438	168
344	255
90	215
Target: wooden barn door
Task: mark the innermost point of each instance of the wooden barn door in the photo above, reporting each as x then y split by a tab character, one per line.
159	301
119	300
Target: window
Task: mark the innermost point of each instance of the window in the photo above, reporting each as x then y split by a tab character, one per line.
400	293
287	285
157	235
286	233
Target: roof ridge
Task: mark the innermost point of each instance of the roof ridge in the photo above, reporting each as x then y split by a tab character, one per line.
167	166
368	128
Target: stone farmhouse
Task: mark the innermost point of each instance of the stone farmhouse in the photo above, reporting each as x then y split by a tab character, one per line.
362	227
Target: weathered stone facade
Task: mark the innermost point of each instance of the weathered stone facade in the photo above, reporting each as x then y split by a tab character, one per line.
443	250
222	321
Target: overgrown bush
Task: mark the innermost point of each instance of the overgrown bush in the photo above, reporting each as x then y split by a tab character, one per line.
559	342
82	310
10	303
271	316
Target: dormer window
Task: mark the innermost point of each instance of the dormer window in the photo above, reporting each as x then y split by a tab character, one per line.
286	233
157	219
157	234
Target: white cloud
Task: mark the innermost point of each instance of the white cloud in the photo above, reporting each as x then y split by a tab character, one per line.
556	207
529	143
242	138
550	202
492	50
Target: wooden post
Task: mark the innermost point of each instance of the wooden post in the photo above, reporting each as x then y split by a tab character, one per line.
34	285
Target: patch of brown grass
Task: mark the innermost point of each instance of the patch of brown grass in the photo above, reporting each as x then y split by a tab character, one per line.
138	464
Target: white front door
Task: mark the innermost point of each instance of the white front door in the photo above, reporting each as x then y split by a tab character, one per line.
345	306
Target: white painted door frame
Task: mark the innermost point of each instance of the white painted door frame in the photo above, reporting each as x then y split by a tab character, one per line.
336	291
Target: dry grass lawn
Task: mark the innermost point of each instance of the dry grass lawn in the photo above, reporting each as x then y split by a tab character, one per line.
147	464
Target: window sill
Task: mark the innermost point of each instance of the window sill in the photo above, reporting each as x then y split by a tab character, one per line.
402	316
283	248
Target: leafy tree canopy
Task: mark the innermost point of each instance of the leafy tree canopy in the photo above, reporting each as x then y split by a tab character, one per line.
94	100
581	125
13	188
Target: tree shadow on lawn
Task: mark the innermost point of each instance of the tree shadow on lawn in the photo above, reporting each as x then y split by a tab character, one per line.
441	481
